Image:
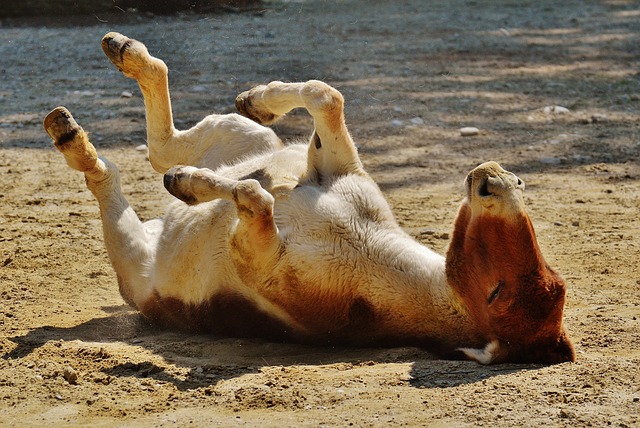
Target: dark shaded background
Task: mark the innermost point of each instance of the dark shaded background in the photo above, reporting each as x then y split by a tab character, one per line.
61	7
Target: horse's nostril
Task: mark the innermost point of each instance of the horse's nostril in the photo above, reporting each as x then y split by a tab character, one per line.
483	190
168	179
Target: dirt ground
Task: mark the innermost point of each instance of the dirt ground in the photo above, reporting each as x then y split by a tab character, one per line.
413	73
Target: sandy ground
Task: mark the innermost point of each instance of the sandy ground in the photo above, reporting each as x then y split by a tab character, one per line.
412	75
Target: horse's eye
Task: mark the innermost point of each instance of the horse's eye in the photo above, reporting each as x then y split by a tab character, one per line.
495	292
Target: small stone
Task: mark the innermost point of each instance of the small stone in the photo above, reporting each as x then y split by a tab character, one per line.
126	94
70	375
469	131
558	223
555	110
417	121
599	118
141	148
396	122
84	93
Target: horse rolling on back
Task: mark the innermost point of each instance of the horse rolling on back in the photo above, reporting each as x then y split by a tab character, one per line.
296	242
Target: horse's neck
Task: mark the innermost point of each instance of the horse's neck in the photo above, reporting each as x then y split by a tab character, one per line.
417	280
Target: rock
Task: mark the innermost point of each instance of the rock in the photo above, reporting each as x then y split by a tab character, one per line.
84	93
126	94
599	117
70	375
141	148
469	131
396	122
555	110
417	121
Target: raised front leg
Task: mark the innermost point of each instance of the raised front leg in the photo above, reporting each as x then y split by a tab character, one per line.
133	59
331	151
254	239
130	244
216	140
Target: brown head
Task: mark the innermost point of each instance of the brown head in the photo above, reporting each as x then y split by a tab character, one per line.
494	264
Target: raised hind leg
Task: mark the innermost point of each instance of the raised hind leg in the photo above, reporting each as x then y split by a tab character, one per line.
331	151
254	239
216	140
130	244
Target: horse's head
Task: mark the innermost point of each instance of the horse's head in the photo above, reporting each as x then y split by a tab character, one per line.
494	264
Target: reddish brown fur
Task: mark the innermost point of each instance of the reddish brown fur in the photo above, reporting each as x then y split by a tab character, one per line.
526	315
227	314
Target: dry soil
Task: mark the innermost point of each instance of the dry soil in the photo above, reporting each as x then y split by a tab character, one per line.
413	73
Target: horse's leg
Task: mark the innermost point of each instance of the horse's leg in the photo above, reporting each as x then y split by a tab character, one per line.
331	151
216	140
130	244
254	239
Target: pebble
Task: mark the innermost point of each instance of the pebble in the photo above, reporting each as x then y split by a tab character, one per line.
70	375
396	122
126	94
555	110
417	121
84	93
469	131
141	148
